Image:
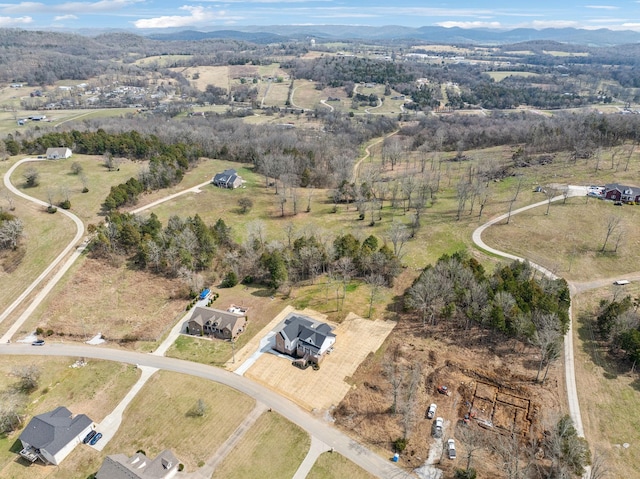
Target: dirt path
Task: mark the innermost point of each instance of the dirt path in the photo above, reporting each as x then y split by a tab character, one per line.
46	289
367	154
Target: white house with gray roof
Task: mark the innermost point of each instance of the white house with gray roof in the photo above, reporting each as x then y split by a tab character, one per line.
58	153
303	337
51	436
139	466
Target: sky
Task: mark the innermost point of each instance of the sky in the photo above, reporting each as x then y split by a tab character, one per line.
146	15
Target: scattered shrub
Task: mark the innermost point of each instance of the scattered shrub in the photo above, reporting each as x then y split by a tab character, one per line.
400	444
230	280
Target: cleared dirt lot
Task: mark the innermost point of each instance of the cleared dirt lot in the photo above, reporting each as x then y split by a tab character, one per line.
356	338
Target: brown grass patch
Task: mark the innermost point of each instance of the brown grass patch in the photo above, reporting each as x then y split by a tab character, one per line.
477	368
118	302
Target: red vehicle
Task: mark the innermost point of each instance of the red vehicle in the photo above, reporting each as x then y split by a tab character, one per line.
443	390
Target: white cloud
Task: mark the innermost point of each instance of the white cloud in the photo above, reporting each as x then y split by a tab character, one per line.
65	17
197	16
24	7
345	15
540	24
14	21
602	7
70	7
475	24
100	6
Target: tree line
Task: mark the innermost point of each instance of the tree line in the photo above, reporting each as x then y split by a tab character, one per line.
512	300
188	248
618	325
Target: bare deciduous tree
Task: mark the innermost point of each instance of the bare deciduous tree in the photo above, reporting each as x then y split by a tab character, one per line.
10	233
28	377
398	235
613	223
375	282
31	177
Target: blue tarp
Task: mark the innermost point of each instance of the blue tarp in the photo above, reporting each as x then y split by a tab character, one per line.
205	293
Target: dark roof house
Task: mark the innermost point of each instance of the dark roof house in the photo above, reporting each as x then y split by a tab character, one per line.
215	322
139	466
51	436
303	337
228	179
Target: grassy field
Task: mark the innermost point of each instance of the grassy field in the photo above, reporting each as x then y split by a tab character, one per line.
555	53
159	418
276	95
335	466
609	393
501	75
94	390
57	181
161	60
272	448
576	253
45	236
305	95
207	75
119	302
8	119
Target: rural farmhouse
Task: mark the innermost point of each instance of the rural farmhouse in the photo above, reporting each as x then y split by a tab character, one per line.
139	466
623	193
58	153
51	436
228	179
304	337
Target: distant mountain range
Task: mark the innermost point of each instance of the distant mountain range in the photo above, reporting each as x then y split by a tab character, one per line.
278	33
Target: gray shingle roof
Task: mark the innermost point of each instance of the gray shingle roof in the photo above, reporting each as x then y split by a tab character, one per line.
307	330
138	466
53	430
226	177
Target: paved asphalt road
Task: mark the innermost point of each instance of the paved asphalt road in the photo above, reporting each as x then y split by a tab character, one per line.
325	432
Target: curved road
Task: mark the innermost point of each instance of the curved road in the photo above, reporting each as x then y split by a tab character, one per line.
569	362
328	434
59	258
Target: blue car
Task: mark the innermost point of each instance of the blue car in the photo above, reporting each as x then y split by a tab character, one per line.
95	439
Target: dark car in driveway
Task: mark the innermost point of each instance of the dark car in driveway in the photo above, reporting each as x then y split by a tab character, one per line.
89	436
95	439
38	342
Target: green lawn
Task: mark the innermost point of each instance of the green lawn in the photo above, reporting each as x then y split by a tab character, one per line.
94	390
273	448
335	466
159	418
56	182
